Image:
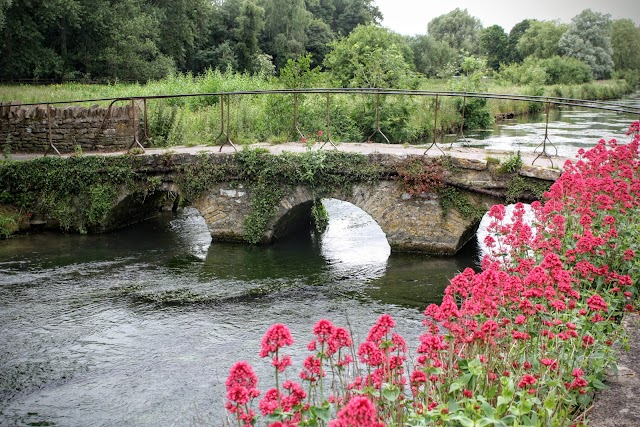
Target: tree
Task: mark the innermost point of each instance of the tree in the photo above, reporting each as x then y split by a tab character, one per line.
250	25
514	37
589	40
285	31
371	56
625	41
319	37
351	13
430	56
541	39
458	28
180	24
132	52
4	5
493	44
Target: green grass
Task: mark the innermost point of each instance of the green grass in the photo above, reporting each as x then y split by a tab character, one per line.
269	118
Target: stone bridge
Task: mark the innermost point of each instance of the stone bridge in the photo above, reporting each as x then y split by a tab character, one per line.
414	223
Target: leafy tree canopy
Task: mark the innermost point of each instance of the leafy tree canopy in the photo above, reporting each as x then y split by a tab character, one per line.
458	28
494	44
432	57
625	40
589	40
541	39
371	56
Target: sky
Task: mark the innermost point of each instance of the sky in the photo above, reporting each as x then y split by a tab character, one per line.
410	17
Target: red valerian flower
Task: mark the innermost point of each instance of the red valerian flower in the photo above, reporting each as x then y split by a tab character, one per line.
359	412
596	303
277	336
527	380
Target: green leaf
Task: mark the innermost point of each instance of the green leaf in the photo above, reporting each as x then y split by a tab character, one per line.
504	400
465	421
390	392
324	413
599	385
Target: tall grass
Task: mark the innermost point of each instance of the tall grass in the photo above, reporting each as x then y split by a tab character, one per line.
197	120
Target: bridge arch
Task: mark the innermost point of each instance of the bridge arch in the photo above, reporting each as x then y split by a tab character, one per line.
410	223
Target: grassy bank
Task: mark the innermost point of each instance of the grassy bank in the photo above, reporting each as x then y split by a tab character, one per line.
269	118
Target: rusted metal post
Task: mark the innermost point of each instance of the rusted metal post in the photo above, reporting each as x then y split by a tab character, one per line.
50	136
146	125
378	130
464	105
435	122
546	139
328	124
134	126
295	116
222	131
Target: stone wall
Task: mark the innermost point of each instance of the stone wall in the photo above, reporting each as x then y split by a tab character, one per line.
25	129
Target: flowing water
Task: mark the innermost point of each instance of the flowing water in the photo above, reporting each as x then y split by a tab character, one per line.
139	327
570	129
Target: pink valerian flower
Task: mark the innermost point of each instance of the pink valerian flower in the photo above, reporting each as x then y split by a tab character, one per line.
272	400
281	363
358	412
381	328
497	212
370	354
277	336
527	380
241	390
634	129
629	254
323	330
312	370
551	364
597	303
241	373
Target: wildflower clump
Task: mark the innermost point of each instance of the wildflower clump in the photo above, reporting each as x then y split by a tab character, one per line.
525	341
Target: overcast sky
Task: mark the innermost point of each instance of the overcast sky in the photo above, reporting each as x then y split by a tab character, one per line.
410	17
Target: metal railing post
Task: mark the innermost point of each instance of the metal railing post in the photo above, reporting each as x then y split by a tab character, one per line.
378	130
50	136
543	144
435	123
329	124
228	131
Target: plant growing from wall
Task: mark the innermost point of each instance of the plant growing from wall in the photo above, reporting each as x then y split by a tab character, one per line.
512	164
420	175
77	192
519	186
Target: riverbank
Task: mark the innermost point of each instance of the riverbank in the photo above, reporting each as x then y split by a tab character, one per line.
247	119
619	404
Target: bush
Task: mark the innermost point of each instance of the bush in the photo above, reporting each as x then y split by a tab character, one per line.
554	70
566	70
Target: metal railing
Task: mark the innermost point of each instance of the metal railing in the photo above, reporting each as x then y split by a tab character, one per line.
225	103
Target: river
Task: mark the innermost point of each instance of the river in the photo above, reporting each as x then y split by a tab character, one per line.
139	327
570	129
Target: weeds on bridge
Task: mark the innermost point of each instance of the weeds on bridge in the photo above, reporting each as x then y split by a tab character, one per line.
79	193
524	342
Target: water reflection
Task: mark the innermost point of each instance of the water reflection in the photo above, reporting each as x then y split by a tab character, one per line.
570	128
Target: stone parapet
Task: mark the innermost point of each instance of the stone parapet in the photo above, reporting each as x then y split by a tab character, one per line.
32	128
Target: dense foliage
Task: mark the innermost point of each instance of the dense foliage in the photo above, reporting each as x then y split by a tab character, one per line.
144	39
141	40
523	342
